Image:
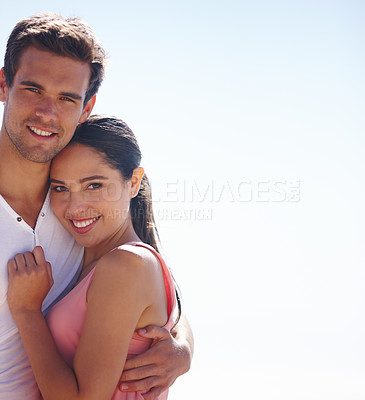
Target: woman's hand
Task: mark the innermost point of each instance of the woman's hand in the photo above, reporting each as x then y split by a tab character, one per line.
30	279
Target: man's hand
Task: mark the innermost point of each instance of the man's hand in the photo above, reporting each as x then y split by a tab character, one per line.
155	370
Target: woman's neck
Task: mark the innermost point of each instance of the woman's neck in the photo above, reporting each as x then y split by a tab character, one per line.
122	236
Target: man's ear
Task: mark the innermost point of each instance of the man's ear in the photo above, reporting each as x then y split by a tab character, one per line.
136	181
87	109
3	86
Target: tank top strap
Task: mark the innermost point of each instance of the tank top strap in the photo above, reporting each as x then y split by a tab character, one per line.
168	280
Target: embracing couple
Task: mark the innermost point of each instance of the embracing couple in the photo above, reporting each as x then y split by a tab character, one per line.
87	303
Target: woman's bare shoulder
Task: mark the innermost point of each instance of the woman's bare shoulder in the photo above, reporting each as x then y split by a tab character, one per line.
129	262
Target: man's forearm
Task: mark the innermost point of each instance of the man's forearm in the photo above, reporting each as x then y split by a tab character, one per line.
183	334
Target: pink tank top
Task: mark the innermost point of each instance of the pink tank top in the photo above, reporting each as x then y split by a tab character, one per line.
67	317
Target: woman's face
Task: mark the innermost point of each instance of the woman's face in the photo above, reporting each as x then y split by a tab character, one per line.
89	197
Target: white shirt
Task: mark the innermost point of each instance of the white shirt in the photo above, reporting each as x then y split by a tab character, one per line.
16	236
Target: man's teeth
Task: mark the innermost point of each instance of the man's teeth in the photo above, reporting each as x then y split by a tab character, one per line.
39	132
83	224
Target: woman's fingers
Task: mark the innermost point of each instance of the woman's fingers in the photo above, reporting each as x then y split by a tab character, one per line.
12	267
39	256
49	271
29	260
20	262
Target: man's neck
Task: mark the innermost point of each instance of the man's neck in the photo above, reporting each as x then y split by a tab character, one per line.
23	184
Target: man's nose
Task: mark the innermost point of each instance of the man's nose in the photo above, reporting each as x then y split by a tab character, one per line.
46	109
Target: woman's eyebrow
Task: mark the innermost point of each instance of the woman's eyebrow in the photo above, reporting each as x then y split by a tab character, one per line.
91	178
88	178
55	181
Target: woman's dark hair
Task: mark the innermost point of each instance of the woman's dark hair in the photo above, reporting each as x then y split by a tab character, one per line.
113	138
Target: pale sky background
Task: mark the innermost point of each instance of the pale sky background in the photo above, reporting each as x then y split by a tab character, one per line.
250	115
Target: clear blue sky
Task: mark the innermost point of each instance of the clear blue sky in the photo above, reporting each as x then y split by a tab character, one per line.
250	117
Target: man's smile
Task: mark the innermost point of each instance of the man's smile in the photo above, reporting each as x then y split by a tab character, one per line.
40	132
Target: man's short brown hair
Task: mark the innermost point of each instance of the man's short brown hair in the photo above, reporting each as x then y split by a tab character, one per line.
68	37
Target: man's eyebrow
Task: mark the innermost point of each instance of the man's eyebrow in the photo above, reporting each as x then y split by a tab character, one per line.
31	83
88	178
72	95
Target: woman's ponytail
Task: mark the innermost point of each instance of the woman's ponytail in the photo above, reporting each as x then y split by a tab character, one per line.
142	215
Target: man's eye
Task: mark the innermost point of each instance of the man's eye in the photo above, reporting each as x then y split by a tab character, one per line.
67	99
59	188
94	185
34	90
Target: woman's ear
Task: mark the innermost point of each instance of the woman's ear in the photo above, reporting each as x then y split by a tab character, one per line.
136	181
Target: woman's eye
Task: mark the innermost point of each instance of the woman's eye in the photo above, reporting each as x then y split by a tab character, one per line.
59	188
94	185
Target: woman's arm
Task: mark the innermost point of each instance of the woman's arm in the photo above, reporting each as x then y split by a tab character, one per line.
116	300
30	279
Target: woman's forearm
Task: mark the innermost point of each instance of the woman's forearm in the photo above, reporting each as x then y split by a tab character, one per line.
55	379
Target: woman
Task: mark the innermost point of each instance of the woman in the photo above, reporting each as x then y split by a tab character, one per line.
102	197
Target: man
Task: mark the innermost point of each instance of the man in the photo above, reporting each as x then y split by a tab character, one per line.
52	71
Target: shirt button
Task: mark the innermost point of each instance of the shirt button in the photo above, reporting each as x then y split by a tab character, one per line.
42	214
19	219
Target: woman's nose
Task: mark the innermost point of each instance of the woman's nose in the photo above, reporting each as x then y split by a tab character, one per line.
77	204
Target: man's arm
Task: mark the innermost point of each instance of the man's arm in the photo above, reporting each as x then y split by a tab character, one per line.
157	369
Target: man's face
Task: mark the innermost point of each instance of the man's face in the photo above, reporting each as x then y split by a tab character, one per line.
44	103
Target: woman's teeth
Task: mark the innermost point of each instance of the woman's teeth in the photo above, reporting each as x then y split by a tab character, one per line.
83	224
